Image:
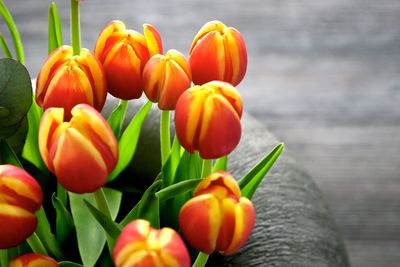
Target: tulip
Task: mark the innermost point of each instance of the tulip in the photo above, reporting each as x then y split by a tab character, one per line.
218	52
20	197
124	54
217	218
141	245
207	119
66	80
80	152
33	260
165	78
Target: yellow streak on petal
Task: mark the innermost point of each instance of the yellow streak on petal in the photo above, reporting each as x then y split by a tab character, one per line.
41	263
132	57
125	253
234	52
109	30
134	259
20	188
153	39
198	94
11	210
179	59
214	25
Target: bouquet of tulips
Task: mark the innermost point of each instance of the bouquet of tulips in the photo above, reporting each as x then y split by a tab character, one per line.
60	157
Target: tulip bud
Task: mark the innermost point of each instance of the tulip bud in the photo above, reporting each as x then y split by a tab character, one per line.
66	80
217	218
33	260
207	119
123	54
80	152
218	52
20	197
165	78
141	245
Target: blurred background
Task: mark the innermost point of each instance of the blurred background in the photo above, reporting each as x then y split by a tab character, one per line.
323	76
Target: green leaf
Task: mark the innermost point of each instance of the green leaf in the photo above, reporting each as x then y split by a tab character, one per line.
249	183
116	118
221	164
176	189
111	227
44	233
17	139
31	151
90	234
169	168
54	28
13	30
69	264
7	155
129	139
141	209
16	96
64	222
4	47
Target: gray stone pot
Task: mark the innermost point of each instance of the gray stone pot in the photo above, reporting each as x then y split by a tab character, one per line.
293	224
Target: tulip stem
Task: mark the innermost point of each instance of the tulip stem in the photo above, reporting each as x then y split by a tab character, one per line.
102	205
36	245
3	257
14	32
75	27
201	260
207	167
165	140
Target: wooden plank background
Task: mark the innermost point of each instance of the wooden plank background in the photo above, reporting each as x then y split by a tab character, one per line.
324	76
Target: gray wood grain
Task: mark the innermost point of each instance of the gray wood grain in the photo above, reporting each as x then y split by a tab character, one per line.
324	76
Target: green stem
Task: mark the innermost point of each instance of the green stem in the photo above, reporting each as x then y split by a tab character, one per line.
3	257
165	140
14	32
207	167
75	27
36	245
102	205
62	194
201	260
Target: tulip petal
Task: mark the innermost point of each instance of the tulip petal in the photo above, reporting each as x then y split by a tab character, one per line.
33	260
244	223
153	39
236	49
200	220
221	129
219	179
108	37
79	176
228	225
123	72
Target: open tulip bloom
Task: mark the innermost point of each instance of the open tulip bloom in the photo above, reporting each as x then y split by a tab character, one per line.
65	198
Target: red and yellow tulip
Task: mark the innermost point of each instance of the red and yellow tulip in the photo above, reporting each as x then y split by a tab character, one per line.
218	52
124	54
20	197
66	80
165	78
207	119
217	218
80	152
33	260
141	245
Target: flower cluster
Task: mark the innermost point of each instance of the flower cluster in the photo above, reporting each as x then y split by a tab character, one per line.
193	194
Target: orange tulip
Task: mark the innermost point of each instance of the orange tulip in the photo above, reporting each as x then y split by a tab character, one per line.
207	119
123	54
20	197
218	52
217	218
165	78
33	260
141	245
80	152
66	80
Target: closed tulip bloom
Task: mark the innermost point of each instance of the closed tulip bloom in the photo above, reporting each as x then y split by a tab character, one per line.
124	54
33	260
165	78
217	218
218	52
207	119
80	152
66	80
20	197
141	245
